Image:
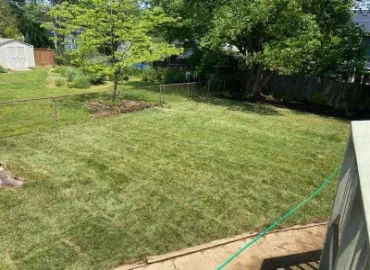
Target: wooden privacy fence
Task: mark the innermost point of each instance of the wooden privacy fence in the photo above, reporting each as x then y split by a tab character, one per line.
44	57
319	90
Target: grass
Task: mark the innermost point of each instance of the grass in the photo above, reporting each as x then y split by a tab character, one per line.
26	117
101	193
35	84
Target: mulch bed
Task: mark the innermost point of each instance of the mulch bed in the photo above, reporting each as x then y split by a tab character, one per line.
100	108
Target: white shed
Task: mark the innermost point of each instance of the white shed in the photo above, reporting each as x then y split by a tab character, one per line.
16	55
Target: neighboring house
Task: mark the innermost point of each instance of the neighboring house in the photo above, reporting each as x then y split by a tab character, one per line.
70	43
362	18
16	55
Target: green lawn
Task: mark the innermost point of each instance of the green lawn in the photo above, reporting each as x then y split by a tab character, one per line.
100	193
34	84
39	115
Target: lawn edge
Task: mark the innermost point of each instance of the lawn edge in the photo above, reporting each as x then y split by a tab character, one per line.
202	247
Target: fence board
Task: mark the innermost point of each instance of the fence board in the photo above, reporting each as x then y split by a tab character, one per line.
306	88
44	57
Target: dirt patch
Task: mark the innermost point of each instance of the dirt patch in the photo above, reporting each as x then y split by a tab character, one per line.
100	108
7	180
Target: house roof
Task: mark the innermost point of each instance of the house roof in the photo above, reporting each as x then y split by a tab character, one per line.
362	18
4	41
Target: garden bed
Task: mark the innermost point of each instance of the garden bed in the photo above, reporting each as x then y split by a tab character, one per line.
100	108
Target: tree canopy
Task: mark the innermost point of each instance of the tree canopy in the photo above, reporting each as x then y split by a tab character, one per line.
120	30
8	24
316	36
30	14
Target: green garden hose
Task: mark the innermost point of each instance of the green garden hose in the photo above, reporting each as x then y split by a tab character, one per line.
281	219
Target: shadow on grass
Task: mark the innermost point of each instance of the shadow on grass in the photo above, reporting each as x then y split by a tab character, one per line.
198	96
306	260
88	96
325	111
150	86
241	106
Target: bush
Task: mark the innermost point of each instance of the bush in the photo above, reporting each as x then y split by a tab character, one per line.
287	99
320	98
2	70
60	70
126	78
174	75
132	71
97	74
81	81
66	59
59	82
70	73
66	71
97	78
70	84
151	74
170	75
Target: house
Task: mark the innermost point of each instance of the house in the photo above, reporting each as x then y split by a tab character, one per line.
70	43
16	55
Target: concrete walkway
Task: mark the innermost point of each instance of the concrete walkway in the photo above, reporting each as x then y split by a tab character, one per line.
297	248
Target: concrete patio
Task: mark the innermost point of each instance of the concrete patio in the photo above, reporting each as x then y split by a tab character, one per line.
298	247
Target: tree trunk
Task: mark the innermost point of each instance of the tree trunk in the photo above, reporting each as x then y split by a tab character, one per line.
257	79
114	96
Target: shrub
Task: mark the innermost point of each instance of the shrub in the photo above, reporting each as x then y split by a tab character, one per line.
60	70
151	74
97	74
97	78
81	81
133	71
147	75
70	84
287	99
59	82
174	75
66	59
70	73
320	98
126	78
2	70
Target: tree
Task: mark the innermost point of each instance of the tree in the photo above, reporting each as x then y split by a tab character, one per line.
8	24
286	36
30	15
342	51
120	30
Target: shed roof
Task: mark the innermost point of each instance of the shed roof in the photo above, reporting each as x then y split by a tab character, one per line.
4	41
362	18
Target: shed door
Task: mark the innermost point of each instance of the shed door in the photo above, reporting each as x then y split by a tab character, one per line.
17	58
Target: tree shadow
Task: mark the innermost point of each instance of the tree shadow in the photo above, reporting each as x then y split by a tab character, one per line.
325	111
150	86
200	96
306	260
242	106
87	96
